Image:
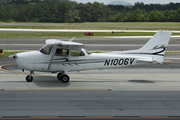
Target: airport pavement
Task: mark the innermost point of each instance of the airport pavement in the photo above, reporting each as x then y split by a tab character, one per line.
144	78
125	93
89	104
91	43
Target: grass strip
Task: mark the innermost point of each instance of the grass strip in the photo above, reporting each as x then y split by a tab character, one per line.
96	25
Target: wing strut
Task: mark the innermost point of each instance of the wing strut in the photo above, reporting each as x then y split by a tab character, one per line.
53	53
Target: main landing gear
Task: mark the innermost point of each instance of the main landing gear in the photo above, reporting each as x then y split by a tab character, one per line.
64	78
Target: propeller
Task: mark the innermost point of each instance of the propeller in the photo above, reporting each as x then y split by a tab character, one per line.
13	56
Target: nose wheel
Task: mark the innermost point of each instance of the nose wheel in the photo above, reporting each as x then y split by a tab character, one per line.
29	78
63	78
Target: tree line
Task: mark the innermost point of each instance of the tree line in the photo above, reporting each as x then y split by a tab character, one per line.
63	11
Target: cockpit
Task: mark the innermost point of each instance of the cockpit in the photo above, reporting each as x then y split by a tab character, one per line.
46	50
65	52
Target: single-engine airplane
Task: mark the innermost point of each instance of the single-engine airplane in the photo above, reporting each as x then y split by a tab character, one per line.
64	56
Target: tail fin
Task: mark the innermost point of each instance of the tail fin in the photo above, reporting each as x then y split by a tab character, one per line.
157	45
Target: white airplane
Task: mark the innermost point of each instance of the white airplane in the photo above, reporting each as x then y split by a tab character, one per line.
64	56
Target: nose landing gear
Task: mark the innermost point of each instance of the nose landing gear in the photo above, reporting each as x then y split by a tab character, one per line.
29	78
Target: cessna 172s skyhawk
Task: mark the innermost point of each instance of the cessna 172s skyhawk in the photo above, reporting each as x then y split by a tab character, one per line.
64	56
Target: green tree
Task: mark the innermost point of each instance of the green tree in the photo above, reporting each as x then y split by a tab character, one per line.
177	15
170	15
156	16
136	15
143	16
3	14
73	16
86	13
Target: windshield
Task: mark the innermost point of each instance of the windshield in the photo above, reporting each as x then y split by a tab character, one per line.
88	52
46	50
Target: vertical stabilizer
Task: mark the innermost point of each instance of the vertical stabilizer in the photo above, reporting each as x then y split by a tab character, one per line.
157	45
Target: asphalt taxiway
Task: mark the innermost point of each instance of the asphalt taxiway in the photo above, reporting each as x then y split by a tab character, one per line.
112	93
91	43
147	78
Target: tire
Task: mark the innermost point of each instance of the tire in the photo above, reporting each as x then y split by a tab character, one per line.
59	76
64	78
29	79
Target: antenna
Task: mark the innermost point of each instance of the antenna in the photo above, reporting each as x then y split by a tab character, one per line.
73	38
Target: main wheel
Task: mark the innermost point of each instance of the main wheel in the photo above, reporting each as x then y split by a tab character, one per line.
59	76
64	78
29	79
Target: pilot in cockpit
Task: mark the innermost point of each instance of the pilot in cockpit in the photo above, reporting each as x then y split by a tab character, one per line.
59	52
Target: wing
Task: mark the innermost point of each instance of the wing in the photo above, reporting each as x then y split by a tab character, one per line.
63	43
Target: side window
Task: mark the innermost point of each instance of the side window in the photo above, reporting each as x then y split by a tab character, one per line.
77	53
61	52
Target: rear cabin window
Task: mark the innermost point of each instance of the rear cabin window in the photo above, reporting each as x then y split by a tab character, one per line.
61	52
77	53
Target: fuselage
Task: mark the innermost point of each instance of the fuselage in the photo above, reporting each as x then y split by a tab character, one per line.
37	61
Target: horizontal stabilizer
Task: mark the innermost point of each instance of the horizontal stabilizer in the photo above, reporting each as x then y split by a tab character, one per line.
148	59
151	59
158	59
